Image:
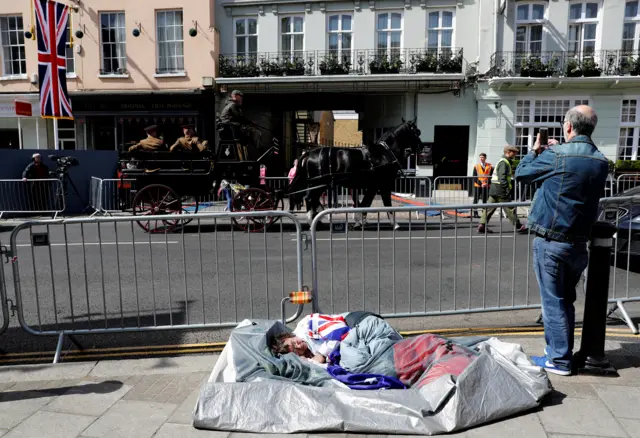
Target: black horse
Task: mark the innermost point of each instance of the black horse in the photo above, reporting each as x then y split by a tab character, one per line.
371	168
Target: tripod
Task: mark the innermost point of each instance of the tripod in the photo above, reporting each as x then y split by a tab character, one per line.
65	179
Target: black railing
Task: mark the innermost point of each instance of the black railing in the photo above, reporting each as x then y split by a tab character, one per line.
565	64
343	62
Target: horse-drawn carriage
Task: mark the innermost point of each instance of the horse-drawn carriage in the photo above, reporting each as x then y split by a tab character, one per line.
176	183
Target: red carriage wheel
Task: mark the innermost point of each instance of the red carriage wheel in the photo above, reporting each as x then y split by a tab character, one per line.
252	199
155	200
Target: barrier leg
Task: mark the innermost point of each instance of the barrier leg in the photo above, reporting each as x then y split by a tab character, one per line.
56	358
619	305
591	358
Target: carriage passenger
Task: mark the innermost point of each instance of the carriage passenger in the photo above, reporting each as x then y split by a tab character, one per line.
152	143
190	142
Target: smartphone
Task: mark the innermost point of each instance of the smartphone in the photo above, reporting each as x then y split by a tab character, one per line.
544	137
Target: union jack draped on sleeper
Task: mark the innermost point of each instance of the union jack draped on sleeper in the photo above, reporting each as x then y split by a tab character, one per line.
52	34
327	327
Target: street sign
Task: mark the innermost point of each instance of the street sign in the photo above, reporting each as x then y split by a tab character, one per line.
23	109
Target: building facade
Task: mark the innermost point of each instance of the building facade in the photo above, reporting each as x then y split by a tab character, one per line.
129	65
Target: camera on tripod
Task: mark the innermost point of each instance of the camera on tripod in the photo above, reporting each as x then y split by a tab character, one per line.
63	164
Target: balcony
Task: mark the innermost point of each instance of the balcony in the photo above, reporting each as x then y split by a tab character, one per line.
564	64
343	63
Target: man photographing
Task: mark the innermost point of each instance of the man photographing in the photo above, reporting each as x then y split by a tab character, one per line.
572	176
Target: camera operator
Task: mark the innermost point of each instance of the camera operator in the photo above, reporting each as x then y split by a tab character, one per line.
36	169
572	175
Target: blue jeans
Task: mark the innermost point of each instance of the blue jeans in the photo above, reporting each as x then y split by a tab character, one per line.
558	267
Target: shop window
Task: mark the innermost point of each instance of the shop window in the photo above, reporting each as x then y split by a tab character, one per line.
67	134
14	61
170	42
113	42
9	139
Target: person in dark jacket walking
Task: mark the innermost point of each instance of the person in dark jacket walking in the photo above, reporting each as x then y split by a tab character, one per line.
241	128
501	190
564	209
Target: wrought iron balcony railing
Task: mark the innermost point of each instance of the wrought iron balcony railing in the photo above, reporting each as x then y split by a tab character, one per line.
565	64
343	62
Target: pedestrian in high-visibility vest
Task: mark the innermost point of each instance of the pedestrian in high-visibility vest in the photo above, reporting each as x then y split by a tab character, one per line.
500	191
481	172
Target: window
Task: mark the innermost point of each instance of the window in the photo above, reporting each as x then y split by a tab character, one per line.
630	31
531	115
583	26
440	31
629	129
12	42
71	60
389	28
246	36
113	41
340	29
292	32
529	28
170	42
67	134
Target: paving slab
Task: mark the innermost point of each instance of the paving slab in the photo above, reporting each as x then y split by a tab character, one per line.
527	425
165	365
580	416
51	425
89	398
631	426
184	413
14	410
60	371
573	390
180	430
131	419
623	402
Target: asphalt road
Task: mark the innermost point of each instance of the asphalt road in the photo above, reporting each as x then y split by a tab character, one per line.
112	276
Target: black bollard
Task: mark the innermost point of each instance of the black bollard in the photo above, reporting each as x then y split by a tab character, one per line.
591	358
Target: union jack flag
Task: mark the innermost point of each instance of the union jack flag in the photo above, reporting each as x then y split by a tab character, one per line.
52	34
327	327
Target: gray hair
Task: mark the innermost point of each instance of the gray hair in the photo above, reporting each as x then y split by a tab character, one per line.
582	124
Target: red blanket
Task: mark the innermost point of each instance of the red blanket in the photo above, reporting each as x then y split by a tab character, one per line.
425	358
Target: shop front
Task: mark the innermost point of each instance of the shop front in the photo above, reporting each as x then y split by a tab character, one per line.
25	131
112	122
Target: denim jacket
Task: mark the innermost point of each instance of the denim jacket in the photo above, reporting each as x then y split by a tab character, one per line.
573	175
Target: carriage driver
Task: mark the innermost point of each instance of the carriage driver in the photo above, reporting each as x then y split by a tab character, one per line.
242	128
190	142
150	144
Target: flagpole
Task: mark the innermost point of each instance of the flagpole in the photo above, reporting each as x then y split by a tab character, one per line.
55	134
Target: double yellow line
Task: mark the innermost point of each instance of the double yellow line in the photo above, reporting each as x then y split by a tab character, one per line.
216	347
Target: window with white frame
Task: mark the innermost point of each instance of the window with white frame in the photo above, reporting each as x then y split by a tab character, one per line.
440	31
246	31
71	60
389	29
340	30
531	115
292	36
14	62
629	130
113	41
630	29
170	42
529	27
583	27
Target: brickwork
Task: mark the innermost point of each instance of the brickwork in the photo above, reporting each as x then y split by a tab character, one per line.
346	132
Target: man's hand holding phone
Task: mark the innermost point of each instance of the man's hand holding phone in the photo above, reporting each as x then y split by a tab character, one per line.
538	148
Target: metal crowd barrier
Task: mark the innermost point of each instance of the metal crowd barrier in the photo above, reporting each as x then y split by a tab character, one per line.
4	304
627	181
105	275
31	196
111	195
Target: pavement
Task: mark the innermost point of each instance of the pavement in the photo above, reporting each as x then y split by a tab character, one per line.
156	397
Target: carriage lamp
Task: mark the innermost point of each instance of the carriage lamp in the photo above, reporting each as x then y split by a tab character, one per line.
298	297
31	33
137	30
79	34
194	30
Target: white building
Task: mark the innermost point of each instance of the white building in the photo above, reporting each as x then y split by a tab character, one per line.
492	100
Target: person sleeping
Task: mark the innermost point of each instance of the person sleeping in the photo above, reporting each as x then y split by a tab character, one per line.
315	338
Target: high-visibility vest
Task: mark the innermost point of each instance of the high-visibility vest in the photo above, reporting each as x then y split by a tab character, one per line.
495	179
480	171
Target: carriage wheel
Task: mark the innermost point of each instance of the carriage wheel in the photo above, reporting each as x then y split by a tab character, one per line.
252	199
190	205
153	200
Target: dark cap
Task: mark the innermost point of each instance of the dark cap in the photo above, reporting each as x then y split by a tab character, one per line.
151	128
237	93
189	126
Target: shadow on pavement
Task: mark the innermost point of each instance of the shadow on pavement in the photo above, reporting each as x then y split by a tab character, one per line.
95	388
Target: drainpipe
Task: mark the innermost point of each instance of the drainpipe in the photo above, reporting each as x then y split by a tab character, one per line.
479	33
496	8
